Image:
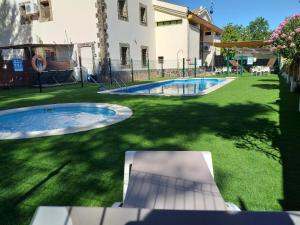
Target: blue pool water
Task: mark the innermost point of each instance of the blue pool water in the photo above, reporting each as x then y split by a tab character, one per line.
45	119
174	87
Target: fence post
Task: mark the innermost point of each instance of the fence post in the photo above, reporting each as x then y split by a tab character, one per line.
195	67
148	64
132	75
242	66
110	72
183	67
163	70
80	69
227	64
40	84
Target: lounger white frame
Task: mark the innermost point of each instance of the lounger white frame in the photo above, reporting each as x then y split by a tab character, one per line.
129	157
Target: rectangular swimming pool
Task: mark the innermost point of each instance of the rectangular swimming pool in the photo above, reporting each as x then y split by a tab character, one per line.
177	87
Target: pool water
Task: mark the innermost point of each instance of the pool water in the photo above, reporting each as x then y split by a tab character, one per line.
53	118
174	87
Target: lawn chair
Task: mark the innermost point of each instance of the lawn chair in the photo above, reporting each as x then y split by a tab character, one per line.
218	70
266	70
253	70
259	71
225	69
171	180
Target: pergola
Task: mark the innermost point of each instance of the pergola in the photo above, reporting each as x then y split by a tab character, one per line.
242	44
255	52
256	49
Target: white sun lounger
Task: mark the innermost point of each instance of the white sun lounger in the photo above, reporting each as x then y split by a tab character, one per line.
192	171
126	216
170	180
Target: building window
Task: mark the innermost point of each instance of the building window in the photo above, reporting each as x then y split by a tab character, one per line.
28	12
123	9
169	22
143	14
125	54
45	10
24	18
207	33
145	56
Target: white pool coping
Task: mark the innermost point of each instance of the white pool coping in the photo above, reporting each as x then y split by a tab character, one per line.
122	113
207	91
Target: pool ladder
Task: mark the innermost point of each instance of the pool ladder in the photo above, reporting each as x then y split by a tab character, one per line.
120	83
101	87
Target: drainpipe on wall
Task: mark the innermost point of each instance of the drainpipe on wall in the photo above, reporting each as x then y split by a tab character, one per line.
200	43
214	52
178	63
188	42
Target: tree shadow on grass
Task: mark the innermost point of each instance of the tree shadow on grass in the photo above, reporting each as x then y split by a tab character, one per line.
262	138
9	206
95	172
269	80
267	86
290	147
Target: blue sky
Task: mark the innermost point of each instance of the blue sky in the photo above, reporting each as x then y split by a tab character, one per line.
243	11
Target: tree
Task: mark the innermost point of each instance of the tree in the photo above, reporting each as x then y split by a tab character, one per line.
259	29
231	33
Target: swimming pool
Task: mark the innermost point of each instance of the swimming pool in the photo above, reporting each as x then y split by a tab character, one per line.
48	120
177	87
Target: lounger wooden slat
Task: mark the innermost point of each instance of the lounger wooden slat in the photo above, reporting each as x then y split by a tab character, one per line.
172	180
121	216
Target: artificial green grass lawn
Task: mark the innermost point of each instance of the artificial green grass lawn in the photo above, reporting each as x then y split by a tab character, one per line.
247	125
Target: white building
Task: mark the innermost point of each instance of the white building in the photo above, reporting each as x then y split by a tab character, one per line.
152	29
122	30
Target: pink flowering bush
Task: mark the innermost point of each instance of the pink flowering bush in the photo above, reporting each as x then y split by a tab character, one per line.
286	38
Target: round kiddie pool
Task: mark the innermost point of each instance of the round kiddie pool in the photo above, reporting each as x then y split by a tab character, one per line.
58	119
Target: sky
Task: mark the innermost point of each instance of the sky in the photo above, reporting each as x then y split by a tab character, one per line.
244	11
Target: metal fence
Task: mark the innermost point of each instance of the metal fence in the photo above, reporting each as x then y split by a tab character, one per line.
139	70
